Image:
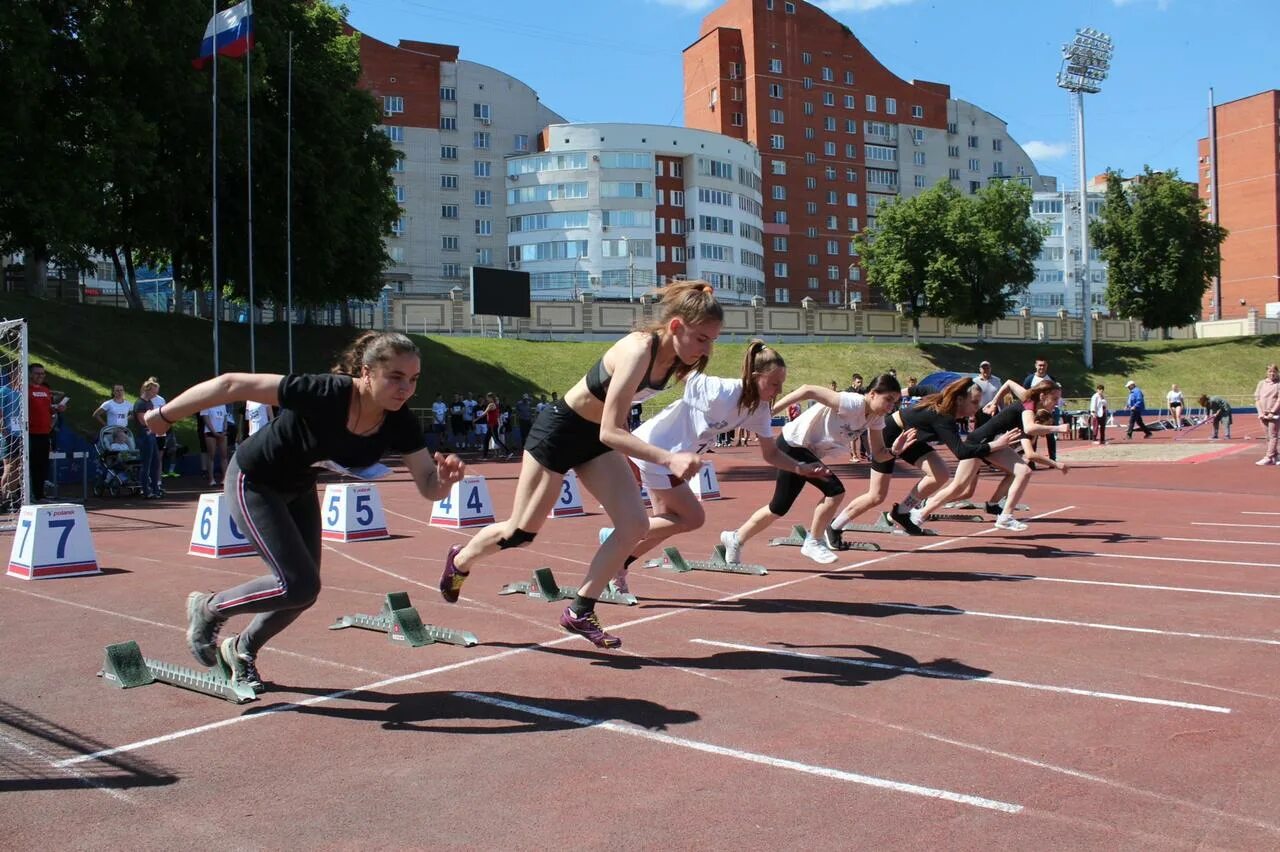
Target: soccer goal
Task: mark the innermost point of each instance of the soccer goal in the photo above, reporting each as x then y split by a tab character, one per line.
14	456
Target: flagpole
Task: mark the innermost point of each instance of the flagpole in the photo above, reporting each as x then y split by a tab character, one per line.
217	368
288	208
248	117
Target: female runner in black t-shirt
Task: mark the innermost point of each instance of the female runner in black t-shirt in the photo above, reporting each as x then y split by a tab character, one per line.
351	416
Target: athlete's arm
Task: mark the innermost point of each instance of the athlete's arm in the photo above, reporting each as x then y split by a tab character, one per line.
826	396
434	474
770	453
229	387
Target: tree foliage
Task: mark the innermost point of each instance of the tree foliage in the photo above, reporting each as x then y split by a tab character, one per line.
945	254
1160	249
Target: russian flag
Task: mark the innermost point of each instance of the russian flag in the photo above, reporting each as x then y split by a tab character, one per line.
230	33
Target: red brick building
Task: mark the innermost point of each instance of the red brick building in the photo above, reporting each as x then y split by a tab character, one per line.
1248	143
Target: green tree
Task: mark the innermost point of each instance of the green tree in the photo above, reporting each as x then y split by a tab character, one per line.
1160	249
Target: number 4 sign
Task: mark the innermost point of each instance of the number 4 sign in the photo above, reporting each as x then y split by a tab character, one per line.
468	505
52	540
352	513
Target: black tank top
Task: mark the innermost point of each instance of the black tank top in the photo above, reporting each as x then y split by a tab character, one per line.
598	380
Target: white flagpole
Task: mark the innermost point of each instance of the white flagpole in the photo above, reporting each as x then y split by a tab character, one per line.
288	208
217	368
248	117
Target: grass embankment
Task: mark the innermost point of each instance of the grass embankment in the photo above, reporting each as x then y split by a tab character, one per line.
88	348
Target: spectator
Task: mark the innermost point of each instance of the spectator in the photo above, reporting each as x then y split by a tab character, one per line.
115	411
859	449
213	429
40	409
169	443
1176	407
148	446
474	436
1218	410
1041	374
11	442
990	385
1136	403
256	416
524	416
457	423
439	417
1098	415
855	384
1266	396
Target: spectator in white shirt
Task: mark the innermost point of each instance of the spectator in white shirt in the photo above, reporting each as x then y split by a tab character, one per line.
213	428
256	416
990	387
1098	416
115	411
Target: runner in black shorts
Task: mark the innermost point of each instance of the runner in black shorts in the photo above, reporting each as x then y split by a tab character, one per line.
351	416
586	432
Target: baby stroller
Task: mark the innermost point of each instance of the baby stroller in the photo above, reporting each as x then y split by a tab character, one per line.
117	463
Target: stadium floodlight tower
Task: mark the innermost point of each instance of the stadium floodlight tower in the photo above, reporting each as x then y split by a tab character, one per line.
1085	63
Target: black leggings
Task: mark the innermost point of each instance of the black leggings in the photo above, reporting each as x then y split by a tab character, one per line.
285	527
789	485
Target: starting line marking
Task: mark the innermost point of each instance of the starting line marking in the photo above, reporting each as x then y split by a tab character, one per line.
750	757
1223	541
1095	625
1260	513
995	681
1250	526
1127	585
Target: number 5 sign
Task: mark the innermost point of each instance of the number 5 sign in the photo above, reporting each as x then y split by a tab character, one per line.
352	513
214	533
468	505
52	541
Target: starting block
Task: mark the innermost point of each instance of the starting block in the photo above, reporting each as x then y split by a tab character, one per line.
125	667
543	586
883	526
676	562
52	540
468	505
353	513
799	533
569	503
214	533
960	516
401	623
969	504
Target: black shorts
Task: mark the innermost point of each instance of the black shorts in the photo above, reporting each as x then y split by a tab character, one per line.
561	439
456	425
915	451
789	485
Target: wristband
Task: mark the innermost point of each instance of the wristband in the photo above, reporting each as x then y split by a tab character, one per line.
160	411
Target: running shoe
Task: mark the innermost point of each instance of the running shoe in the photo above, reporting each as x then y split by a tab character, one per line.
605	532
732	547
202	629
1263	462
917	515
833	538
452	579
817	551
588	627
620	582
903	519
1008	522
243	667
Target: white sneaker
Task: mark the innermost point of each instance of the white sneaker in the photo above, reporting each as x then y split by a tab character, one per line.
605	532
917	516
1261	462
1008	522
817	551
732	547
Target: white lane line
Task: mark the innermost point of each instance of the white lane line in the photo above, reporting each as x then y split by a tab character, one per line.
73	774
750	757
1086	553
1095	625
1248	526
1260	513
337	695
1222	541
1127	585
942	673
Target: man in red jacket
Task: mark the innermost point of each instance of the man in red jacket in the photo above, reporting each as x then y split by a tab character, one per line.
40	408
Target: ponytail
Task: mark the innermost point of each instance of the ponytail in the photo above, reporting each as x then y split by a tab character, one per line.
760	359
371	348
948	399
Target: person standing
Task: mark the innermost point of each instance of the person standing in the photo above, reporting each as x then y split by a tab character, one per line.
524	417
439	416
1176	407
256	417
145	441
1136	403
1041	374
115	411
213	427
40	409
1266	396
1098	415
990	387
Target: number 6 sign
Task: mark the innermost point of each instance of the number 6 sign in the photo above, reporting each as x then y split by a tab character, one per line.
352	513
214	533
468	505
52	540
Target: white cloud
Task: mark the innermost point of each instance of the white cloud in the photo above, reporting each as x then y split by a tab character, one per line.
1038	150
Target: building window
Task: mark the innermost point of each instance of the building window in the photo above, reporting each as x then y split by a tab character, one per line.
829	149
850	125
450	270
953	174
851	199
448	93
448	243
953	151
918	158
973	141
778	192
399	193
735	93
997	145
917	111
522	142
480	139
833	247
852	224
871	103
829	99
952	128
810	158
394	132
448	211
776	117
735	70
484	198
448	152
828	76
808	133
779	243
811	183
397	227
396	253
448	122
677	197
806	58
808	107
775	91
811	232
482	168
780	269
997	168
975	165
920	182
789	7
811	207
775	66
849	102
398	166
848	78
850	175
891	106
778	167
781	295
484	227
777	142
677	169
974	186
448	181
481	112
392	104
484	257
737	119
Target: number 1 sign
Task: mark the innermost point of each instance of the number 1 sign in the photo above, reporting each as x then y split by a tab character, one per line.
52	540
705	484
352	513
468	505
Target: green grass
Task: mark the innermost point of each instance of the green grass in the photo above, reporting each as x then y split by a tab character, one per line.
88	348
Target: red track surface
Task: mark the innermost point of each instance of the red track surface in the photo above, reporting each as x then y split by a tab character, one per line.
1105	679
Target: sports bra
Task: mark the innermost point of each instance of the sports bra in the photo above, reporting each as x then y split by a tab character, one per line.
598	380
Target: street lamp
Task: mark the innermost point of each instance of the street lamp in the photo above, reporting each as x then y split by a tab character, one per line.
631	270
1085	63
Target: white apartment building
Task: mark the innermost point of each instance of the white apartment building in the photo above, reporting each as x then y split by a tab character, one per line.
1058	276
618	209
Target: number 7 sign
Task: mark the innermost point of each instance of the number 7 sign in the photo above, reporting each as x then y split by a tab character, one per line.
52	540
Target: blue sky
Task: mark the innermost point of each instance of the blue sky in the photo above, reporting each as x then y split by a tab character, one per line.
619	60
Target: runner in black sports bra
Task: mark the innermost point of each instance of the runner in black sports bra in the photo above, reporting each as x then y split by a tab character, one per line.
598	380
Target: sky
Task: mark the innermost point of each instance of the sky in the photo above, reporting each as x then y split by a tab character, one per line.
620	61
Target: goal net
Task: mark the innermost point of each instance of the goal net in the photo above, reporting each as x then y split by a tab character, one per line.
14	456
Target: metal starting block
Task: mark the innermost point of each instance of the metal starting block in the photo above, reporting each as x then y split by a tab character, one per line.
544	587
676	562
125	667
969	504
401	623
960	516
882	526
799	533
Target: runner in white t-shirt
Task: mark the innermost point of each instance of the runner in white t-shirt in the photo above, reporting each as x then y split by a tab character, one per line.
115	411
710	405
256	416
822	430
